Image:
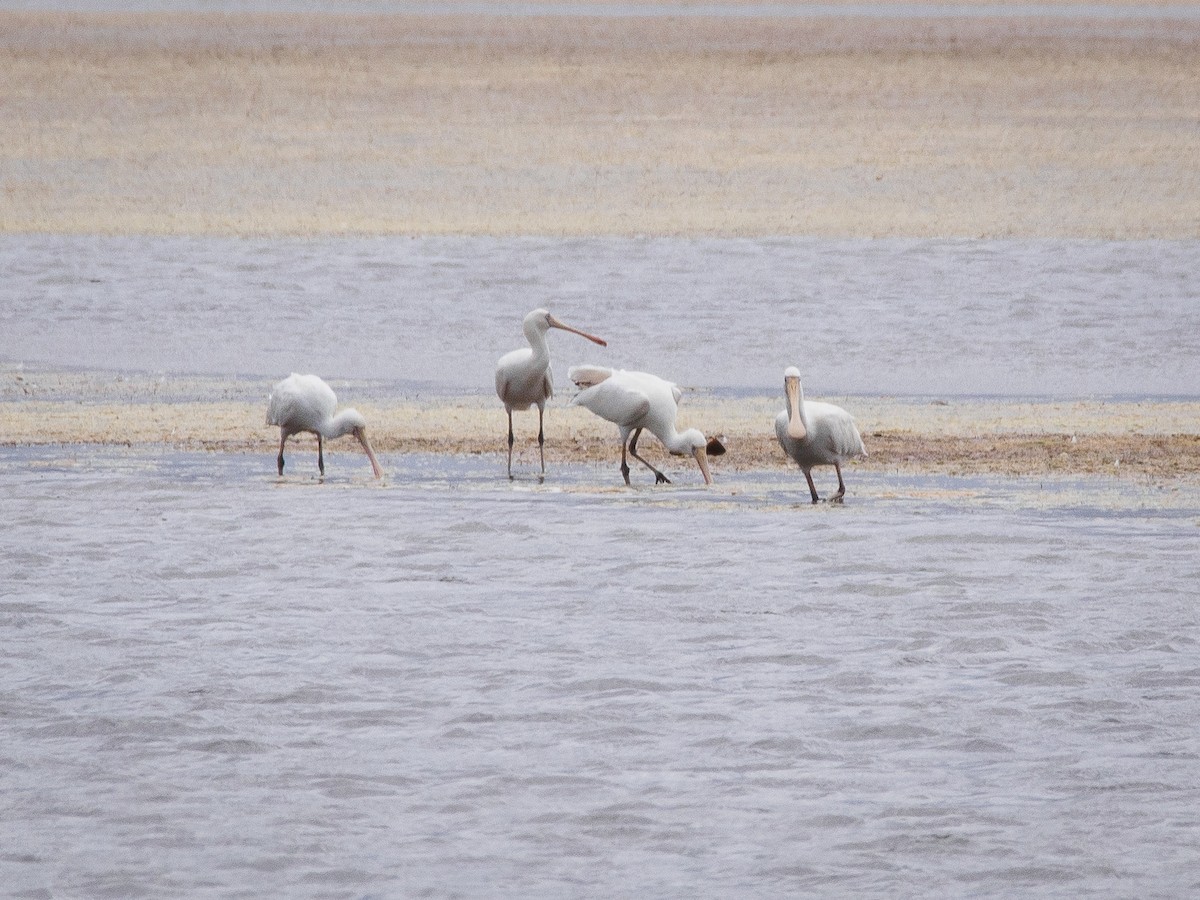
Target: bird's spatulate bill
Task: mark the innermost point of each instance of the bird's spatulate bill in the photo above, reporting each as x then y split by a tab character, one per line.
361	434
795	427
557	323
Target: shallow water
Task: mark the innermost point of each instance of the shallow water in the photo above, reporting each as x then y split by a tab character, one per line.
1021	317
219	683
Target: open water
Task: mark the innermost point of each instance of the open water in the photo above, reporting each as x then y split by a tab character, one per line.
879	317
218	683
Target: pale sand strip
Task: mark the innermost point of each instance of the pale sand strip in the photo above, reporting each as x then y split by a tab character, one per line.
321	124
1020	438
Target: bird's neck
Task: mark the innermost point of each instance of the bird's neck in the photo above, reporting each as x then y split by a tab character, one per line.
343	423
675	441
539	345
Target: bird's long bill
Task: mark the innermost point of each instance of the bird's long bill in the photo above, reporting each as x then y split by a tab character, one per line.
795	427
702	459
361	434
555	323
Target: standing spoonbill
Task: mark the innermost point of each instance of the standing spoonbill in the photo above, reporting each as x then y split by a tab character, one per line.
523	377
637	400
816	434
306	403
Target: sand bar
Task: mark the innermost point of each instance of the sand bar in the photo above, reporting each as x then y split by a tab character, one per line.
565	125
961	436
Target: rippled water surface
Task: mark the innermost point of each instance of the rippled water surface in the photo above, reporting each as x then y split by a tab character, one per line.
220	683
1062	318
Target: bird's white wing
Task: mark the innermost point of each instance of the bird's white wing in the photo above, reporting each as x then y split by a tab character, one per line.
300	398
615	402
837	426
587	376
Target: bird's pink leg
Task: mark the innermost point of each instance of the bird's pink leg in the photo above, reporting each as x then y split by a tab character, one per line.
659	477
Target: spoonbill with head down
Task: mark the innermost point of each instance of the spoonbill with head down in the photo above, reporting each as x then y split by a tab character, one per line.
306	403
523	377
638	400
816	434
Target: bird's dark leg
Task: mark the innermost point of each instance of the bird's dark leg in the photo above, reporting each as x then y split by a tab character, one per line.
841	491
279	459
812	488
542	442
624	463
320	454
659	477
510	444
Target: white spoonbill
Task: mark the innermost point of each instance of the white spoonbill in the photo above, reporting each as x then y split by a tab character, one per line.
523	377
637	400
816	434
306	403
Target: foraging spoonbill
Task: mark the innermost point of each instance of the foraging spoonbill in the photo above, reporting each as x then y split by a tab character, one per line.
306	403
523	377
816	434
638	400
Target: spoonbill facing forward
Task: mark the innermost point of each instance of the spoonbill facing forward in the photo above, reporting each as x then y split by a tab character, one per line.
523	377
816	434
637	400
306	403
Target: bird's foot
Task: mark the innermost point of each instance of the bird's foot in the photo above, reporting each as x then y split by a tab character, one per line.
660	478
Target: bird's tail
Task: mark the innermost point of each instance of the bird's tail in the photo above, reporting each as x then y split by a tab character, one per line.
587	376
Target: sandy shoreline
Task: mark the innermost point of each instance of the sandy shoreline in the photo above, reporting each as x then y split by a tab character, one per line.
1153	438
312	124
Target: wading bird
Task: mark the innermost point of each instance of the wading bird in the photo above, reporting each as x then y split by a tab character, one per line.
816	434
306	403
637	400
523	377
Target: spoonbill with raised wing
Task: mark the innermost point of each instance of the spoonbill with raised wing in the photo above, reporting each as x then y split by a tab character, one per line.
638	400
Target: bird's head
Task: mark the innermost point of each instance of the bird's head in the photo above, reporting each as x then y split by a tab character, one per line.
701	448
540	321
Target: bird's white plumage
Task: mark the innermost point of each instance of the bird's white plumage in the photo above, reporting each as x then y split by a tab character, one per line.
301	403
524	377
638	400
827	435
305	403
